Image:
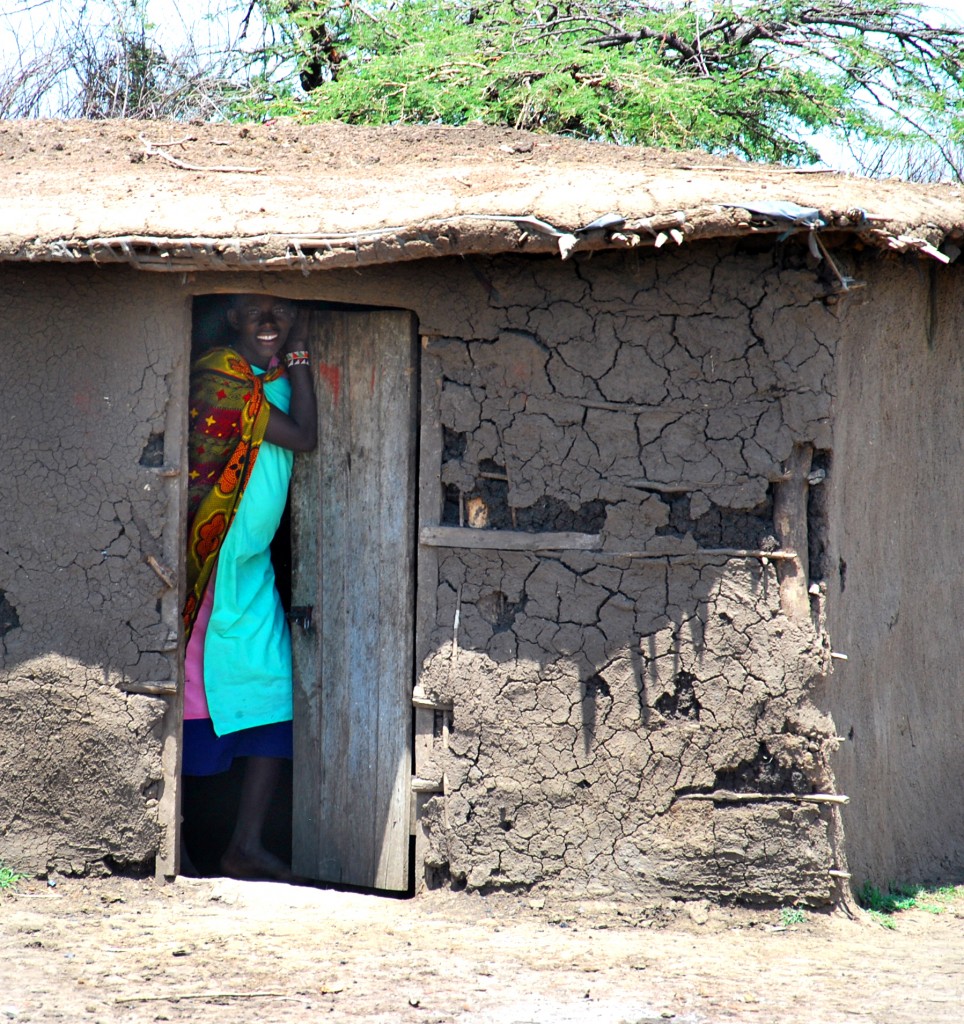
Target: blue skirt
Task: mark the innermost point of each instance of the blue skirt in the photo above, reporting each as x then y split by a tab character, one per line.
206	753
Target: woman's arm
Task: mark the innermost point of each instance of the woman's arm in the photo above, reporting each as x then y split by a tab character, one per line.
298	429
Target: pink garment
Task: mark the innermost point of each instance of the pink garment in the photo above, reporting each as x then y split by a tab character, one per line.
195	701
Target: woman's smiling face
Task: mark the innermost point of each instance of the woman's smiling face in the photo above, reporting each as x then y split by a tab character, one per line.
262	324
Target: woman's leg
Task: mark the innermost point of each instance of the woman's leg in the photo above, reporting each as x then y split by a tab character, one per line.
246	856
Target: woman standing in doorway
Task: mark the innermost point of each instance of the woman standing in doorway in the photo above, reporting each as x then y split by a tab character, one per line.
252	406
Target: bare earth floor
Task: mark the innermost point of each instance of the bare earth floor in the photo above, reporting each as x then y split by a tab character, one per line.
227	952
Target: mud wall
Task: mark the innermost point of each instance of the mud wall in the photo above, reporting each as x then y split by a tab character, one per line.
649	407
896	585
633	418
91	359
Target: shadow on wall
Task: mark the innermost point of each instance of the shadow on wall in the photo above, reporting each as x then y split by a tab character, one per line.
596	694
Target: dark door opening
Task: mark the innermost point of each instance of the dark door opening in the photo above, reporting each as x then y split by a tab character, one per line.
345	547
209	804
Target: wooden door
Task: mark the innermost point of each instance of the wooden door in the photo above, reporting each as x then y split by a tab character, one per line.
353	550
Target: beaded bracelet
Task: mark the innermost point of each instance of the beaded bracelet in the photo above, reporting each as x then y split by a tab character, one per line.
296	358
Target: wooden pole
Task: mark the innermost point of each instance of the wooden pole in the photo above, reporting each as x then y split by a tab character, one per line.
790	521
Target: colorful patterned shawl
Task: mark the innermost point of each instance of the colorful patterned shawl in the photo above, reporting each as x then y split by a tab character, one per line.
229	414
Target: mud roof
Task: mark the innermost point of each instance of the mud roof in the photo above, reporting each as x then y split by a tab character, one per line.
281	195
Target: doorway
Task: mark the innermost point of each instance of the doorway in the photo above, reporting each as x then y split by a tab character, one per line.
344	560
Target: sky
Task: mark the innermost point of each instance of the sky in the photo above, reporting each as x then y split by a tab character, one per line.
24	23
31	27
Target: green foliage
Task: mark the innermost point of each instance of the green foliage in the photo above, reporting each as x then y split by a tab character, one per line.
756	78
9	878
882	904
790	916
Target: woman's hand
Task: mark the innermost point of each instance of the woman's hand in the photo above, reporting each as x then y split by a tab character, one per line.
298	429
297	340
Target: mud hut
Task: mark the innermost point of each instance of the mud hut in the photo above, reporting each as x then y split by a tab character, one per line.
632	547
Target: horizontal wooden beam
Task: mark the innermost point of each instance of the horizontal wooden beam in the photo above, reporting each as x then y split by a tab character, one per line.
700	553
427	785
168	688
725	796
506	540
427	704
464	537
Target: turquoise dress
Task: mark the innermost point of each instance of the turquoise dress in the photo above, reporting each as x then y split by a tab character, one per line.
247	648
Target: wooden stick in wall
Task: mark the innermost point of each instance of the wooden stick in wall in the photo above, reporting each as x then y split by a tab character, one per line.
725	796
790	521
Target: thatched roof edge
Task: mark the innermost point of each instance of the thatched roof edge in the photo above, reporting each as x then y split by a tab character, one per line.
480	234
329	196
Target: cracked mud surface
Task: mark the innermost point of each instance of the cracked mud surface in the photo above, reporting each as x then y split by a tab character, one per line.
652	403
227	952
88	530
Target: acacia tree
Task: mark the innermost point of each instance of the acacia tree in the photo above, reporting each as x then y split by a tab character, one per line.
755	78
764	79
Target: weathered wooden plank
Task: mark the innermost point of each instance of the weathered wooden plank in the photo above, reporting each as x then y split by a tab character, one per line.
172	601
723	796
424	743
335	524
306	646
506	540
430	501
431	498
353	759
395	393
459	537
790	524
701	554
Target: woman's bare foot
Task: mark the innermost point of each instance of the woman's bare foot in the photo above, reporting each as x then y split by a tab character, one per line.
246	857
255	864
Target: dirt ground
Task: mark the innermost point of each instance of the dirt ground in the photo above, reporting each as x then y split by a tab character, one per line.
223	951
